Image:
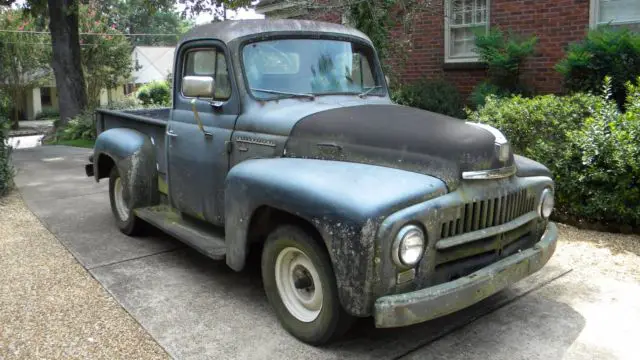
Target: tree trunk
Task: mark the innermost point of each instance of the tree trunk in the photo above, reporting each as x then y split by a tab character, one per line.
15	125
18	103
66	62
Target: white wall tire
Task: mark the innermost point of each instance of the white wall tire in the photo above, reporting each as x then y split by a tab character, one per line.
122	209
299	282
126	221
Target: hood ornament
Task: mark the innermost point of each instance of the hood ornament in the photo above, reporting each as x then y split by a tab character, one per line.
502	147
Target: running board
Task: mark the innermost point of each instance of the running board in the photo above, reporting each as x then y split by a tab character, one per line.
208	241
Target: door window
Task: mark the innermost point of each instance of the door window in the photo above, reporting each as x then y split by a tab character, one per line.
210	62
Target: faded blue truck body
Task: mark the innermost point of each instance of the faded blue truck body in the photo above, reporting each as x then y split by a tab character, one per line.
261	164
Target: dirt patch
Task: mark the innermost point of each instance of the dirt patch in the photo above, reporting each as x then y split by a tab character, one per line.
50	306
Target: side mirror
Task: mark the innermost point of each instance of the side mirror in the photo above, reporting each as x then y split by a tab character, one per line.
198	86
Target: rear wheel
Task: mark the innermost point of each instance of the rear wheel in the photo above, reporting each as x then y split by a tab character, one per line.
301	287
127	222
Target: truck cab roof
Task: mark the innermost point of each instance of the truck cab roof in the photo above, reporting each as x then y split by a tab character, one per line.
228	31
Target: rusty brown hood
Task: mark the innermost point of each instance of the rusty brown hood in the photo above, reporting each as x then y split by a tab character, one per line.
398	137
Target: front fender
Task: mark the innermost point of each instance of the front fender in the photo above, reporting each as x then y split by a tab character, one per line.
134	154
344	201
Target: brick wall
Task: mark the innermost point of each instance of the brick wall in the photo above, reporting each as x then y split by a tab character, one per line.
556	23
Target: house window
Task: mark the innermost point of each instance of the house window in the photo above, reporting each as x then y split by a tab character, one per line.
463	18
615	12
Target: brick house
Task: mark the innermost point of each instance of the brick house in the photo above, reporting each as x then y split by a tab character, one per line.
442	40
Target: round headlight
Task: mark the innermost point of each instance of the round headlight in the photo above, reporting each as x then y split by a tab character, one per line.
547	203
408	246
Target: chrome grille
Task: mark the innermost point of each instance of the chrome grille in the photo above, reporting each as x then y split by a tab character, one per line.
486	213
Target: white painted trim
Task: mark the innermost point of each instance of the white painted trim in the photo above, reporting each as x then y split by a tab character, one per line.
594	15
447	36
594	10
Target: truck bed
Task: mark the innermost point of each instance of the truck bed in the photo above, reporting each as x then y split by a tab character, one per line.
151	122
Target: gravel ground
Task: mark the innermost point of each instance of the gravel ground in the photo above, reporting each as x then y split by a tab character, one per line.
50	307
617	256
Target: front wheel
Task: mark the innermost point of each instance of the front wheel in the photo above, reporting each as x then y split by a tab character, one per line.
301	287
127	222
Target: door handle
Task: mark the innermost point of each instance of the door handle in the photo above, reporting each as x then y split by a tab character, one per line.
171	133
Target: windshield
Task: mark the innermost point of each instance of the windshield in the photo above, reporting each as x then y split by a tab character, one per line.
298	67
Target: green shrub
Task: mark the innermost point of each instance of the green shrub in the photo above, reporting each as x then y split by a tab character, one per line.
48	113
81	127
604	52
592	149
155	93
478	96
433	95
128	103
504	55
6	170
5	107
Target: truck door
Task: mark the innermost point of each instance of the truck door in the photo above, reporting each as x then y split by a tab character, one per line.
199	130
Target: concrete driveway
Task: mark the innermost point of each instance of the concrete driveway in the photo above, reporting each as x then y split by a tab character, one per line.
196	308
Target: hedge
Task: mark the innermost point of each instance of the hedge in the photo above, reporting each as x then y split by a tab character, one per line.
592	149
437	95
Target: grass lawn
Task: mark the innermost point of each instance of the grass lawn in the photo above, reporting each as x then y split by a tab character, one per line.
77	143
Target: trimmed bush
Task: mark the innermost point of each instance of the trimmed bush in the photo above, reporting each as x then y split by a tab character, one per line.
6	170
592	149
48	113
604	52
439	96
155	93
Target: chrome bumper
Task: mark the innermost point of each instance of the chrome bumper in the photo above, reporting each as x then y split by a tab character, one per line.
430	303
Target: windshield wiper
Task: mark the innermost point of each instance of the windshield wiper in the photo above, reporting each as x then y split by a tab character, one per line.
292	94
364	94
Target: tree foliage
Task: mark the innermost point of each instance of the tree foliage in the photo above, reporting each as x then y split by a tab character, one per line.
388	23
23	58
134	17
217	8
106	59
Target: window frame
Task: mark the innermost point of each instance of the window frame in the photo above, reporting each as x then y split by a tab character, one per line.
218	52
594	14
448	59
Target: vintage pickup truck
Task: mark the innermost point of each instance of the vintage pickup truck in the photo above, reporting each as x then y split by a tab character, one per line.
282	139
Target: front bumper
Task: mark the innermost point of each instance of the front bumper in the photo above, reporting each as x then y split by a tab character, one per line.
432	302
88	168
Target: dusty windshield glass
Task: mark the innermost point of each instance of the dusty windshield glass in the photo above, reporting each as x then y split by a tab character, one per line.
302	67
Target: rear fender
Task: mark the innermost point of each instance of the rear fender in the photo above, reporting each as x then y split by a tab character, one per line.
134	154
